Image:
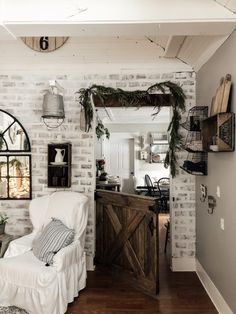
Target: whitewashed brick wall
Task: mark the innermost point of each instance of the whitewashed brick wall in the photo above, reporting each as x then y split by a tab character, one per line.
183	190
22	95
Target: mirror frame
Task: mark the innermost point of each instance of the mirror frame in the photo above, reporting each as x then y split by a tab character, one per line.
8	153
7	150
8	177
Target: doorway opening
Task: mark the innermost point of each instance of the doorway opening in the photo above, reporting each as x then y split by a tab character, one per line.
146	142
136	148
118	154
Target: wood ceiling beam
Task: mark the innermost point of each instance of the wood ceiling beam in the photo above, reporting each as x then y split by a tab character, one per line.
122	11
173	46
163	100
228	4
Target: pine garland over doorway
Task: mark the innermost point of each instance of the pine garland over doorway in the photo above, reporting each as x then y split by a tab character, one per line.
87	97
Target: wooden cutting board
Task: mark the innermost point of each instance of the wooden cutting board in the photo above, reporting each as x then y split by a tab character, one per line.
216	103
213	106
219	102
225	98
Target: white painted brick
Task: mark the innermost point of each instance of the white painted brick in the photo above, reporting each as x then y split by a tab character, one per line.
121	85
21	95
181	245
180	229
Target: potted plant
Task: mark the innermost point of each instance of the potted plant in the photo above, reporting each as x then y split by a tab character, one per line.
103	177
3	220
100	164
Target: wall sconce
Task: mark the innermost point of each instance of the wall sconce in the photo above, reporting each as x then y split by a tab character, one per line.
53	106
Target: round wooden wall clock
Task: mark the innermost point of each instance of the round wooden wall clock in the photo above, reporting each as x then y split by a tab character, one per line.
44	44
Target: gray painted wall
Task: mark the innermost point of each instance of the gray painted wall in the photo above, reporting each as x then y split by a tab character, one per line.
216	249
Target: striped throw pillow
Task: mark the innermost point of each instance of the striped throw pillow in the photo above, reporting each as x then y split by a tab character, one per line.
54	237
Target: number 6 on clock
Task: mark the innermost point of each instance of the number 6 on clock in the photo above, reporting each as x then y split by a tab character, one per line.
44	43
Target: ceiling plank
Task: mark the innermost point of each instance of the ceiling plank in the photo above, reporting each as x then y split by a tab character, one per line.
173	46
5	34
122	18
231	5
208	52
222	2
181	28
196	50
118	11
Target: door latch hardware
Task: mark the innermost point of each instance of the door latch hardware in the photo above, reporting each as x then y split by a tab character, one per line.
151	226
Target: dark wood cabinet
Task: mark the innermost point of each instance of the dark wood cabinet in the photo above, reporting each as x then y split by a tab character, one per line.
59	165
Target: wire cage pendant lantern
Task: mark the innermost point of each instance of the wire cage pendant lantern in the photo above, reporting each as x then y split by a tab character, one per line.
53	108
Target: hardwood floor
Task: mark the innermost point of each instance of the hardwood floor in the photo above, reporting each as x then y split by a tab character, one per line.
180	293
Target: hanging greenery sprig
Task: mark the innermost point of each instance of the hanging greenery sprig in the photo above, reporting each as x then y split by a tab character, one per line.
135	99
102	130
178	107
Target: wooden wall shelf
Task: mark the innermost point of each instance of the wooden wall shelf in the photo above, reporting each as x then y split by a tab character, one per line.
59	175
219	131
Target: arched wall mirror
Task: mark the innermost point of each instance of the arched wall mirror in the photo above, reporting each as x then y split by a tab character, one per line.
15	165
13	137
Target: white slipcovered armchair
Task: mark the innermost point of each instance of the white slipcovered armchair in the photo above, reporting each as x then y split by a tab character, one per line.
25	281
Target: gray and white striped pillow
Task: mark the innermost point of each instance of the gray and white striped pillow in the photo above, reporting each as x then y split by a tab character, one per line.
54	237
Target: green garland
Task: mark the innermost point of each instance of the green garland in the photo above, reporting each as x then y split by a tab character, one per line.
135	99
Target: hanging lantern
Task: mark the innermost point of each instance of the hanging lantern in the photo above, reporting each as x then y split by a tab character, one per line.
53	110
53	106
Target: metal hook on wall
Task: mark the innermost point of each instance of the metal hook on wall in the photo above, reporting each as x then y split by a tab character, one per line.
211	204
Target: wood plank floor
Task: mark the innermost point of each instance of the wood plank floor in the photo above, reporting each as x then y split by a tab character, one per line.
180	293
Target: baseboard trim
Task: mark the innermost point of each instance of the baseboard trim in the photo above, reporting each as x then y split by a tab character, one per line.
214	294
183	264
89	263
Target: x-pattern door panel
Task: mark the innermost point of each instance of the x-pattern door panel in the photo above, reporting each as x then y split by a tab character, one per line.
127	237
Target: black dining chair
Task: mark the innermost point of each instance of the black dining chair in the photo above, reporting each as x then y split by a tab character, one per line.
151	189
163	186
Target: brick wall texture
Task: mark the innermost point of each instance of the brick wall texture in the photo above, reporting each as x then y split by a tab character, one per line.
22	95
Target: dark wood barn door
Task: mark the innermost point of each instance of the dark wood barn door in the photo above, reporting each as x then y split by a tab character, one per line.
127	237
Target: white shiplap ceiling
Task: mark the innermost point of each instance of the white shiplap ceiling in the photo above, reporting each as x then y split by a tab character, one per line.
183	32
167	34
